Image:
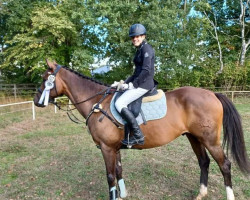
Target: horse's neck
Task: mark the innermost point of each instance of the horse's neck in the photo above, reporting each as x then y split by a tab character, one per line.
79	89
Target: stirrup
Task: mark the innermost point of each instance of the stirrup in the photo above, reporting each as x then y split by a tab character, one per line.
135	141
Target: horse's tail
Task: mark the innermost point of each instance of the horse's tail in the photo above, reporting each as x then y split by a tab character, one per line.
233	134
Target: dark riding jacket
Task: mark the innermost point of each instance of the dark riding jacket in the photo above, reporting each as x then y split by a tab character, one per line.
143	75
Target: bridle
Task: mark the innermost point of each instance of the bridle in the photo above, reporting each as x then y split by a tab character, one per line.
50	84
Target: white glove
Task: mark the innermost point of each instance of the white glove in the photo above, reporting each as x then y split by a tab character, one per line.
116	83
126	86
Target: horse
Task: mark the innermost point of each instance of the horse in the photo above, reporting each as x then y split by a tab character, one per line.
194	112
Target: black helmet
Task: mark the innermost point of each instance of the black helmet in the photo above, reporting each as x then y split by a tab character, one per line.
137	29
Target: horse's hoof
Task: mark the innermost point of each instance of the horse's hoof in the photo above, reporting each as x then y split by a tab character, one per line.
203	192
200	196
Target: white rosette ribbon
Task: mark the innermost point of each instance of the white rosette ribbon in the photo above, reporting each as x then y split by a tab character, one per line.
49	84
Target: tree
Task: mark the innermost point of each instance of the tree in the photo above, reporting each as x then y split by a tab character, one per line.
245	33
57	30
192	39
169	31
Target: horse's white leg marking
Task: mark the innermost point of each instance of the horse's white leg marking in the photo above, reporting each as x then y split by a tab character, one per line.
203	192
230	193
123	191
113	193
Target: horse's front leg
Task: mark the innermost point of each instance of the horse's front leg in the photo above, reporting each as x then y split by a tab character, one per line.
121	184
109	155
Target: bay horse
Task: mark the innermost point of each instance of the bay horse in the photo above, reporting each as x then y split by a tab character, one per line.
194	112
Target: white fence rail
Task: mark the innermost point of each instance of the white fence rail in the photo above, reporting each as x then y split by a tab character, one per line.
27	102
20	103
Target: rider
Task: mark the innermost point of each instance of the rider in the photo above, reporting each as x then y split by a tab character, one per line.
139	83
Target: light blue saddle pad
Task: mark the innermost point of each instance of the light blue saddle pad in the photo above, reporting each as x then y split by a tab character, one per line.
151	110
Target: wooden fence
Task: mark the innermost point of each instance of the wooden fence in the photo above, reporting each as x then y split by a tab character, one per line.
17	89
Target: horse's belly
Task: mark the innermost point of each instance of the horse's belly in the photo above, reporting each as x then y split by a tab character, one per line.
155	137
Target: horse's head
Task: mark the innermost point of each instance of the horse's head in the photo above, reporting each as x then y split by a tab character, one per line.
51	86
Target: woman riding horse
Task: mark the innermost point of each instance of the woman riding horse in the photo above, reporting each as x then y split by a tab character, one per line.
139	83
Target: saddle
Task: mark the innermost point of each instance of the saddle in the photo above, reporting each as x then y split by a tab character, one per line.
135	106
141	105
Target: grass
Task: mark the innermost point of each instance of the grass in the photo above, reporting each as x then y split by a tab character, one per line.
53	158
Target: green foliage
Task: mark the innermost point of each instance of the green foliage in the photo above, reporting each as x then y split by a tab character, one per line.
118	73
52	34
74	32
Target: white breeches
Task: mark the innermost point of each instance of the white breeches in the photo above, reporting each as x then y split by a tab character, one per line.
129	96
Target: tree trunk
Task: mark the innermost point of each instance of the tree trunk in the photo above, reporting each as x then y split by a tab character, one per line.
244	44
216	37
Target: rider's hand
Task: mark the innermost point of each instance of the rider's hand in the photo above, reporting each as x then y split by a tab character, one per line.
126	86
117	84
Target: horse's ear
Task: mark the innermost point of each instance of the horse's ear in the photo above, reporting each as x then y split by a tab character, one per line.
52	65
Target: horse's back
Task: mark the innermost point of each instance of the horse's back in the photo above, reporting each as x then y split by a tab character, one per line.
191	97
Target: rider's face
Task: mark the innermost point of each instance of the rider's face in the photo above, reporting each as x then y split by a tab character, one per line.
137	40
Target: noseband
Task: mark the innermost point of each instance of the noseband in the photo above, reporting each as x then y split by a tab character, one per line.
49	85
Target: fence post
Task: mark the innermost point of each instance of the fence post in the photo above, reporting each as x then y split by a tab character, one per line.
33	110
15	90
232	96
55	106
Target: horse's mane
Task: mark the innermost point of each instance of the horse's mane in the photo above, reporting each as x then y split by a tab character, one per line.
85	77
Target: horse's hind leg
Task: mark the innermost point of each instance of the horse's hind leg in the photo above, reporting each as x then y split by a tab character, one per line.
121	184
225	167
204	161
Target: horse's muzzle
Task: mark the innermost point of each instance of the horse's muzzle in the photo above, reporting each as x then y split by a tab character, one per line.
39	105
36	100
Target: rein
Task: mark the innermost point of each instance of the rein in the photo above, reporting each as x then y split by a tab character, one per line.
69	104
74	119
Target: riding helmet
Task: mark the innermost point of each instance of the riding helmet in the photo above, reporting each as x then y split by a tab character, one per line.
137	29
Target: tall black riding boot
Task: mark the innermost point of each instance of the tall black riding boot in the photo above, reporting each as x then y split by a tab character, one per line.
137	137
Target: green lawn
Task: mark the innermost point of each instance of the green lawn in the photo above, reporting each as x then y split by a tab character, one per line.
54	158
